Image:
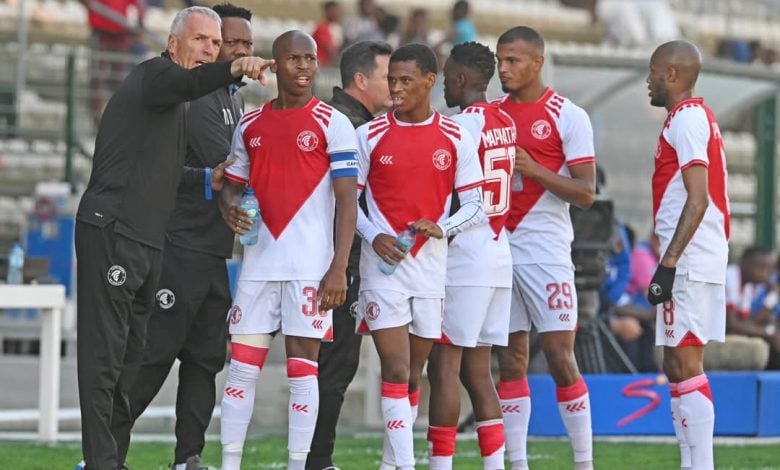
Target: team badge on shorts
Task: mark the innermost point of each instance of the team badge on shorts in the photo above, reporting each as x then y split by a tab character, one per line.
541	129
372	311
235	314
116	275
442	159
165	298
353	309
307	141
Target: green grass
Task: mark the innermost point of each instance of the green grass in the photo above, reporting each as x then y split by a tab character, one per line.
364	453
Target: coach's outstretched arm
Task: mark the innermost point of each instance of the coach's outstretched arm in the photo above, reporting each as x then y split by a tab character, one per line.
230	205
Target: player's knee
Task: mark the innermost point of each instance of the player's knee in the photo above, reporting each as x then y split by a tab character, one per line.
443	373
395	370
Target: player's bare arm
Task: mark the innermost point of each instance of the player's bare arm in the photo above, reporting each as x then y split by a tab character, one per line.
579	189
427	228
695	181
333	287
229	205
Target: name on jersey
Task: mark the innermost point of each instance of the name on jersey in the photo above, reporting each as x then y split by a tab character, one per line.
499	137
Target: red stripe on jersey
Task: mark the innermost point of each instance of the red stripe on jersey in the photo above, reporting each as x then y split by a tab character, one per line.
557	112
235	179
324	108
361	187
580	161
449	128
253	113
694	163
373	132
476	184
324	117
666	166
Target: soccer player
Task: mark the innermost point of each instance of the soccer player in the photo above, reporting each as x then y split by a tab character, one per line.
478	293
297	153
410	161
556	164
691	214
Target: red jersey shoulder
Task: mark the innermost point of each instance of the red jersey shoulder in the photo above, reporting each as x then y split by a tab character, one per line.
322	113
474	109
554	103
499	100
378	125
250	116
685	104
449	127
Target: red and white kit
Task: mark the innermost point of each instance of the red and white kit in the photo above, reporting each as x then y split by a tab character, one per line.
557	134
409	172
280	275
479	262
697	312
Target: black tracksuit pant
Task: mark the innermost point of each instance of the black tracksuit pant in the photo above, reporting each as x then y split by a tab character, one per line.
117	278
338	362
189	323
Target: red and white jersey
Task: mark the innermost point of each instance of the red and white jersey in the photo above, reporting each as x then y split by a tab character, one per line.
480	255
557	134
408	172
289	157
691	137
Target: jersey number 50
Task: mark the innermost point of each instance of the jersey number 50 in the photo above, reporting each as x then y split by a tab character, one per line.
497	168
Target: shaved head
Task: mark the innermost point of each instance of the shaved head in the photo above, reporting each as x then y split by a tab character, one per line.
682	56
284	42
674	68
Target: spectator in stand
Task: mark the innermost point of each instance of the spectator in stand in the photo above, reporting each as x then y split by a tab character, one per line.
463	29
417	28
633	318
115	27
388	26
751	299
364	26
329	35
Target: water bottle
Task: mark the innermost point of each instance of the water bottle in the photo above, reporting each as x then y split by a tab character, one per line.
406	239
252	207
15	264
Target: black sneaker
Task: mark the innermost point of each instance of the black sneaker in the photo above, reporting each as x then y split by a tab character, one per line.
192	463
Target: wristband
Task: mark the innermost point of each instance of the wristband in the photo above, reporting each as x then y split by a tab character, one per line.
207	184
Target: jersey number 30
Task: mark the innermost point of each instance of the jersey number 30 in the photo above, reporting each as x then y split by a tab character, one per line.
497	168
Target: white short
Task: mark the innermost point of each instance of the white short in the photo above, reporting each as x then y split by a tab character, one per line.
545	295
266	306
695	315
379	309
476	316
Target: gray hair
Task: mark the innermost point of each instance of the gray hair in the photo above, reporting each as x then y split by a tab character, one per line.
181	17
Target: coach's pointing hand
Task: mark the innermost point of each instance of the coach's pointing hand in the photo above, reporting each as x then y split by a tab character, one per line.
251	67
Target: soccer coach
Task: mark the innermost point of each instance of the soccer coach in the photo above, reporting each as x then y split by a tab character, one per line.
122	217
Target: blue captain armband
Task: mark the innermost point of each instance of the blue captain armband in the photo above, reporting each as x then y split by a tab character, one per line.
343	165
207	184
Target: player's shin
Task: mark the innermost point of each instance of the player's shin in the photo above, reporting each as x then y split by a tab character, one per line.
685	450
515	399
238	401
574	406
697	416
304	406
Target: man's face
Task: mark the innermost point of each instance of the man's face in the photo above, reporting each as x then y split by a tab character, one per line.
452	92
296	65
236	39
519	64
198	43
376	86
410	88
656	83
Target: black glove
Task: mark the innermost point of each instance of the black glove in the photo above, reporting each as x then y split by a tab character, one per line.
660	289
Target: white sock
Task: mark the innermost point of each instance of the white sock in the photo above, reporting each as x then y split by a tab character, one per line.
490	436
697	419
574	406
180	466
441	447
397	413
304	406
238	401
231	456
515	399
388	458
685	450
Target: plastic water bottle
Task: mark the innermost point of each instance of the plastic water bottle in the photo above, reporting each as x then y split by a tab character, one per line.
406	239
252	207
16	264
